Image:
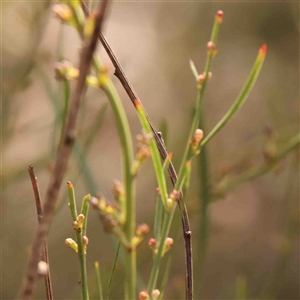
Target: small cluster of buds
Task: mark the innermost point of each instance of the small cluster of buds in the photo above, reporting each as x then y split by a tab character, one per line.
173	198
143	295
196	140
168	244
201	79
73	245
70	12
118	191
141	231
153	245
143	151
110	215
98	81
64	13
100	203
85	241
79	223
211	48
65	71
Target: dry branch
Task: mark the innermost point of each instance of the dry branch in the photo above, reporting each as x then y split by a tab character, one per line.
63	155
39	211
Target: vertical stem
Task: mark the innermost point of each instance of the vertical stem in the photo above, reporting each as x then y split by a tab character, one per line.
129	184
97	269
204	216
82	261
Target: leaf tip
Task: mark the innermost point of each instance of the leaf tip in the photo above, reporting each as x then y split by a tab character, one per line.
219	16
263	50
70	185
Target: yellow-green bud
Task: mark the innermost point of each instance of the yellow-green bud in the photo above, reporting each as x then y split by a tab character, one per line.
71	244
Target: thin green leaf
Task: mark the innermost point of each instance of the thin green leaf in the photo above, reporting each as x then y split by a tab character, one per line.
99	285
242	96
194	70
72	200
113	270
240	288
161	180
84	168
93	131
158	218
165	278
85	210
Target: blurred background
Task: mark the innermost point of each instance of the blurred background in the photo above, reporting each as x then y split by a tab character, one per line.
246	244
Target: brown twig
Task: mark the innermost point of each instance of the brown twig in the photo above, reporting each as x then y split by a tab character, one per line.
63	155
187	233
39	211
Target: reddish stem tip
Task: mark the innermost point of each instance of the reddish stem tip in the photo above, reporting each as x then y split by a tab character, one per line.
137	102
263	49
170	155
220	13
219	16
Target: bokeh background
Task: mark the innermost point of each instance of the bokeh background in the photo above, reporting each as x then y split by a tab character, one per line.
253	244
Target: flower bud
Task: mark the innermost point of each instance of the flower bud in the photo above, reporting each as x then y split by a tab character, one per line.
65	71
89	25
201	79
197	138
63	12
118	190
211	48
94	203
80	220
142	229
143	295
92	81
170	202
71	244
152	243
155	294
75	225
219	16
168	244
175	195
85	240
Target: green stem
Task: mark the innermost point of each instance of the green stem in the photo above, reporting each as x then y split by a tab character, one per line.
99	285
204	171
161	243
81	251
241	97
129	184
113	271
64	112
158	257
82	261
204	218
158	166
261	170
